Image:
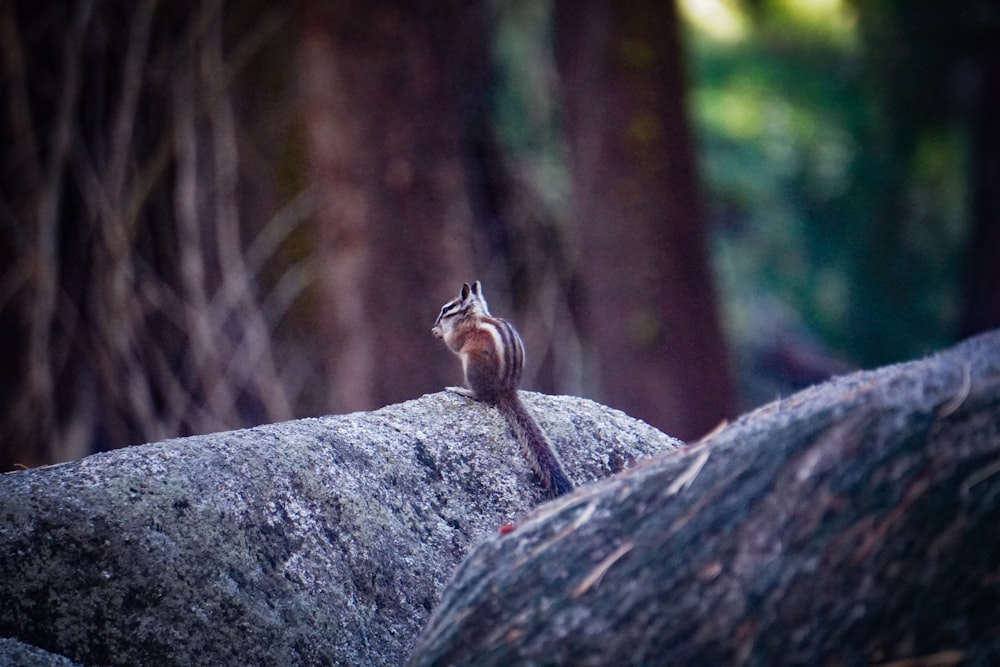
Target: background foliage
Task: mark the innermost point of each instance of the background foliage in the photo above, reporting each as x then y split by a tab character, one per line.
835	142
188	192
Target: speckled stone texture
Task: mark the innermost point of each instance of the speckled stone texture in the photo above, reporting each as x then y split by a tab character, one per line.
318	541
854	523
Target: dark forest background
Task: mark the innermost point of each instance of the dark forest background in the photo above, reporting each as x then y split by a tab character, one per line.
219	214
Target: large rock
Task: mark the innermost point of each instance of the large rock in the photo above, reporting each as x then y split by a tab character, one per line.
319	541
16	653
854	523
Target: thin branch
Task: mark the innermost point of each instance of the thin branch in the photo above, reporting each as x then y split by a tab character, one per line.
277	230
18	101
203	360
128	99
294	281
236	278
39	381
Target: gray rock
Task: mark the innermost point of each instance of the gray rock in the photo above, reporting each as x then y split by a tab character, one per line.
319	541
856	522
16	653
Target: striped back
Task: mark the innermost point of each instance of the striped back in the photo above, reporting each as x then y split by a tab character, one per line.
512	348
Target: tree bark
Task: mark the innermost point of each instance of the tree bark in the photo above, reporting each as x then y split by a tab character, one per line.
382	88
650	299
981	307
853	523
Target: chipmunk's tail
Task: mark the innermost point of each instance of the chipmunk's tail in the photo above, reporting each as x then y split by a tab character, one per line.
536	447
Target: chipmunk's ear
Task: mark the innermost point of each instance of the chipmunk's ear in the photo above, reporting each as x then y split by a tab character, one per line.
477	288
465	291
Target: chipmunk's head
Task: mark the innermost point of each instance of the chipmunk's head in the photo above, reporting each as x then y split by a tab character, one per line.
470	303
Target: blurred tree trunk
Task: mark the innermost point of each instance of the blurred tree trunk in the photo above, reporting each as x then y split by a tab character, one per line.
981	309
650	298
382	84
157	277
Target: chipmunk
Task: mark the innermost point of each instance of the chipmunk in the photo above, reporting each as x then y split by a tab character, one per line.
492	357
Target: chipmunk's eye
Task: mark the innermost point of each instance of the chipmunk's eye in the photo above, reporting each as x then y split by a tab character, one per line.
450	308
